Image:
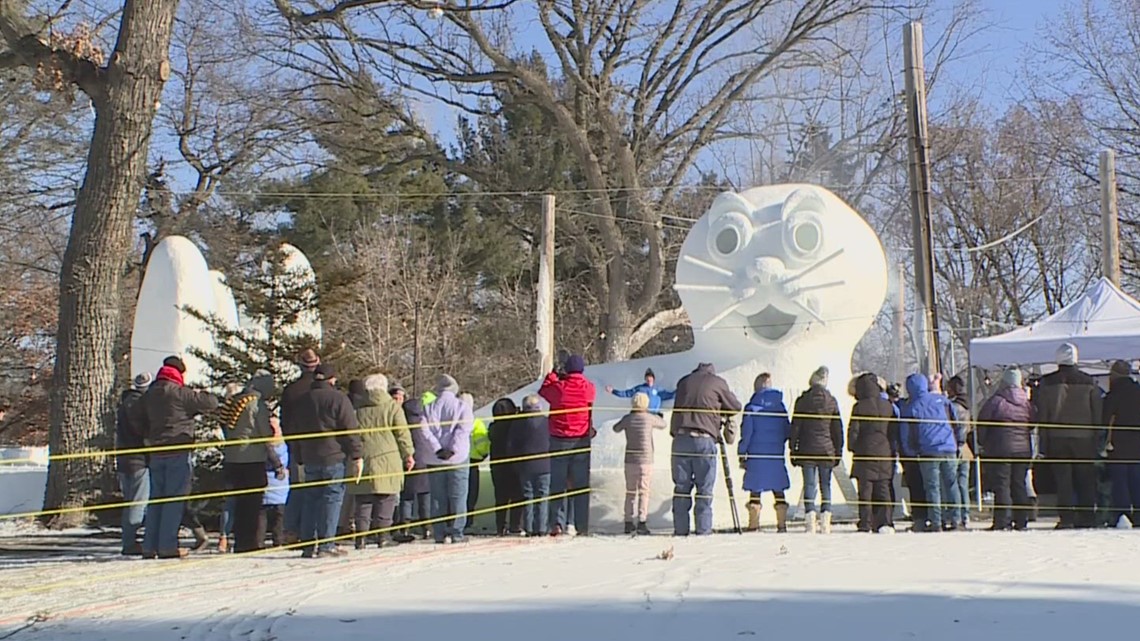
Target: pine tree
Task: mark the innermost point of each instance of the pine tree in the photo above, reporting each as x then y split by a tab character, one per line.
275	303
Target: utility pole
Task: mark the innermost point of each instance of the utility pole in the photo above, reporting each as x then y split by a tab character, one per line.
544	306
919	171
1110	258
898	324
416	352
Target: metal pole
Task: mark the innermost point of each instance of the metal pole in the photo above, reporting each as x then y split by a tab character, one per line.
416	353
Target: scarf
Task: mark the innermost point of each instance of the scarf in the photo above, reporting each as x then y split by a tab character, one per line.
168	373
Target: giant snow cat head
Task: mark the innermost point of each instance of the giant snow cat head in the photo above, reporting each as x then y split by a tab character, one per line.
780	266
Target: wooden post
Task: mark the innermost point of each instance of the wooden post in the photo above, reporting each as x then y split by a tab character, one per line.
1110	255
898	324
544	306
416	352
919	171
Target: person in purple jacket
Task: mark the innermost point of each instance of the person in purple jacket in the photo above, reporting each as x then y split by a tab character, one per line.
446	436
1005	434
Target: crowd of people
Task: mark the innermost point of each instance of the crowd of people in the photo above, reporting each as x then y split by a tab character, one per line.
373	465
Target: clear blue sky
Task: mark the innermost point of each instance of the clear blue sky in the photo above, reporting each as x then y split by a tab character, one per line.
1004	48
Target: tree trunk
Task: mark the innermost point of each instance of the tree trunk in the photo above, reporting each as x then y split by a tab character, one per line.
83	392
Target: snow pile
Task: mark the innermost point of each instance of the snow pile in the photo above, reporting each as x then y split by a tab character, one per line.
1039	585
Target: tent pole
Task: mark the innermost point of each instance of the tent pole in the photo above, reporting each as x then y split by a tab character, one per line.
974	434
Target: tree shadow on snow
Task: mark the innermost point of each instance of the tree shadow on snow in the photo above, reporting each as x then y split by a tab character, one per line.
663	614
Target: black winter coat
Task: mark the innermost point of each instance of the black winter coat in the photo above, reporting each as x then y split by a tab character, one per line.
292	403
817	430
1007	430
527	437
130	424
327	409
170	409
1068	397
1122	414
697	394
871	433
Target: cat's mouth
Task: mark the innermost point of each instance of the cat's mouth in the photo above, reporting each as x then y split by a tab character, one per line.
771	323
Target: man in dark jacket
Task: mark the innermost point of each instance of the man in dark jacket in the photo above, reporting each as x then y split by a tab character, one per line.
816	441
326	410
245	417
959	395
1122	413
291	406
706	401
1068	405
134	478
528	438
169	408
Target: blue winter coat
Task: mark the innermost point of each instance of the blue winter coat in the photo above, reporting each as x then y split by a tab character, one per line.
656	396
925	428
277	492
763	439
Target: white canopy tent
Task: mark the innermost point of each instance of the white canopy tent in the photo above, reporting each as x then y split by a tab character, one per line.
1104	324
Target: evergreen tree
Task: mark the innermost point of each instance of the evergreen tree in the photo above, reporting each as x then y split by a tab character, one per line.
275	302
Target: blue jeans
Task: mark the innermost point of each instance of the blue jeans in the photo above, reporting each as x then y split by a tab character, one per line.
170	476
940	478
136	489
448	501
694	467
570	473
963	480
321	510
535	513
1125	489
227	520
817	480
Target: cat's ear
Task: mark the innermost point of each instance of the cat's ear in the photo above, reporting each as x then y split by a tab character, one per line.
729	225
802	215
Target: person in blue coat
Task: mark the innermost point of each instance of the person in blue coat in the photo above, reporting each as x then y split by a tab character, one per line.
763	441
928	431
649	388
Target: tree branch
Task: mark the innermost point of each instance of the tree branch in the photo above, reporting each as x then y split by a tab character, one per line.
656	324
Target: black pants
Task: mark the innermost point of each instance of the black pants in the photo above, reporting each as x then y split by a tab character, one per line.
874	504
508	490
755	497
272	522
1075	479
374	512
472	490
1011	497
912	475
247	506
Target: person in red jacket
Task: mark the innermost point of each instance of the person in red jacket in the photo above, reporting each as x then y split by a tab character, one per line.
571	399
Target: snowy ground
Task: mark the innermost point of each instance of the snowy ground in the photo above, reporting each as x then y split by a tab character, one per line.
973	586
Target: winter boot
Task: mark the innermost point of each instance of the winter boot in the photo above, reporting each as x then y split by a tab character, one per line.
643	529
753	508
811	524
201	540
825	524
629	527
781	517
223	544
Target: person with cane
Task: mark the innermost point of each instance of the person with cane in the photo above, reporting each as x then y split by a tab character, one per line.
703	401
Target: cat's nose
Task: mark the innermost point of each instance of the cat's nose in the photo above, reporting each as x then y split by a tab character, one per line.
767	270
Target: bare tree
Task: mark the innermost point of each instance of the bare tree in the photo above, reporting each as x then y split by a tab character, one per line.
648	86
124	89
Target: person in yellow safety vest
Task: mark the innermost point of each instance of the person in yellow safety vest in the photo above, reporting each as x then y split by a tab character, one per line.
480	448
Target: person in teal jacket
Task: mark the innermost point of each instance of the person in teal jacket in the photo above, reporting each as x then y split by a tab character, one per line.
649	388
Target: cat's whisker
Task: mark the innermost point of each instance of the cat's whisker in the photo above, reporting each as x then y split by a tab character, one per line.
809	310
684	287
812	288
721	316
823	261
707	266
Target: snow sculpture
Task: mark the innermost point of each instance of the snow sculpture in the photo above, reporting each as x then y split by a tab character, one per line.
299	270
224	305
778	279
176	278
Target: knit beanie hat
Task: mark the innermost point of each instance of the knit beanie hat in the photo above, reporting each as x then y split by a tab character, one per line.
1120	369
1011	377
575	364
640	401
819	377
649	373
1067	354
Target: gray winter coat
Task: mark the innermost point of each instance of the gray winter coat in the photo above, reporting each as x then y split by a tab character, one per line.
638	428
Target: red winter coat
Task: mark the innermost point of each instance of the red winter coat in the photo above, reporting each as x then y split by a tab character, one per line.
573	392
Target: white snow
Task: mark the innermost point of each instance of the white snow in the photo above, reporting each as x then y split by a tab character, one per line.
1038	585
